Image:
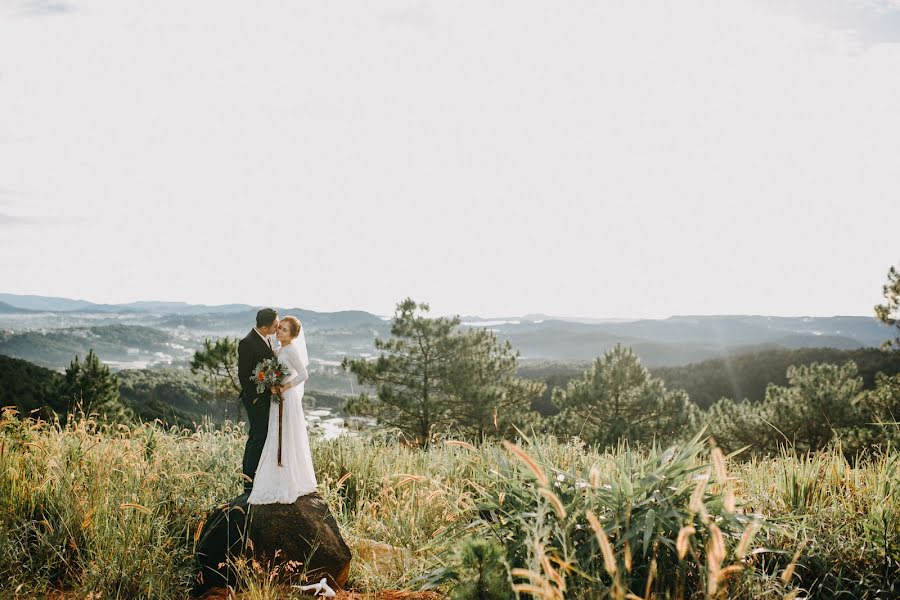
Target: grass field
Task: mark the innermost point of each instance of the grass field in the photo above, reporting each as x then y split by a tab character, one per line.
114	512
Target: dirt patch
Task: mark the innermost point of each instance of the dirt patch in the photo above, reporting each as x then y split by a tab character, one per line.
390	595
222	594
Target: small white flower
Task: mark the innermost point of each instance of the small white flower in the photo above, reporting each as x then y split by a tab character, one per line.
668	455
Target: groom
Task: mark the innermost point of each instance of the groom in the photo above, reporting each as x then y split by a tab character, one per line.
252	350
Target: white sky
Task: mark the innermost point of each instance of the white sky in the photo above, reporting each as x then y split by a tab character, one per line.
606	159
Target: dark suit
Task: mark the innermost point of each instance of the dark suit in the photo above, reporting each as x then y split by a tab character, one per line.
251	351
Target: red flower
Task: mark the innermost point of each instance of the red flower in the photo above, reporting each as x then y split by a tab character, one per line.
277	373
260	376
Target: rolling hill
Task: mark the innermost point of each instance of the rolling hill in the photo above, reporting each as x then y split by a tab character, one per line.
51	336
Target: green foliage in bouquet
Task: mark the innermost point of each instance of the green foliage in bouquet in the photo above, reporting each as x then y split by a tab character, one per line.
268	373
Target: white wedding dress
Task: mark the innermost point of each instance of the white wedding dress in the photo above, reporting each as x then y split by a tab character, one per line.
296	477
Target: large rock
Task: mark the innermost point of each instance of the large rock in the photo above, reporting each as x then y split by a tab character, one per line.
304	531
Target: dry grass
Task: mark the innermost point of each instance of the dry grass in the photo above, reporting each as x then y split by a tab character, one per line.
113	512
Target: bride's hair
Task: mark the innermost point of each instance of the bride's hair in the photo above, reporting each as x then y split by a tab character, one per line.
293	325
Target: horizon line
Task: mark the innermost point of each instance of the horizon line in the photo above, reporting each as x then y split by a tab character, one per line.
544	316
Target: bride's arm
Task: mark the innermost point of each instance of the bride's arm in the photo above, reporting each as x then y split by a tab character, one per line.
300	373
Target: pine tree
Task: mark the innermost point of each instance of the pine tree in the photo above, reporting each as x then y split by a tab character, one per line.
818	404
882	406
433	377
821	402
217	363
411	374
735	425
889	312
618	399
486	396
482	573
89	387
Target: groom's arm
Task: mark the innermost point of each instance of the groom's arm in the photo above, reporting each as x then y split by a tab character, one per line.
245	370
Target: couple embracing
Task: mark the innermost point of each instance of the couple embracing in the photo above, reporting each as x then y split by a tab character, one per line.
265	479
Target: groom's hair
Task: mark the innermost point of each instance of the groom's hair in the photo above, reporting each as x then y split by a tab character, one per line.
266	317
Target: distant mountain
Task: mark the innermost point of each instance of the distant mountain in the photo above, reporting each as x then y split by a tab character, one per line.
53	304
537	317
344	319
806	340
751	329
684	339
239	323
183	308
560	340
116	343
740	330
44	303
244	314
10	309
676	340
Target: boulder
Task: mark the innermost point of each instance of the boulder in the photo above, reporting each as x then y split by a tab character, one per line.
272	534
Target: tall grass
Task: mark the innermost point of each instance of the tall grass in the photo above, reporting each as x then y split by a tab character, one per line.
115	511
107	509
846	519
576	523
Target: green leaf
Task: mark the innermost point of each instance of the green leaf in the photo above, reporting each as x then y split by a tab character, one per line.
649	527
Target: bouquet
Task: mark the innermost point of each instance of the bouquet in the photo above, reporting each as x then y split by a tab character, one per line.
268	373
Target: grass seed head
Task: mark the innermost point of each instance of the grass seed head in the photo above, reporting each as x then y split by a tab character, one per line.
609	557
683	541
529	462
744	544
595	477
554	501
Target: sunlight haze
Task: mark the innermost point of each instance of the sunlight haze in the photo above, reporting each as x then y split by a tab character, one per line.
599	159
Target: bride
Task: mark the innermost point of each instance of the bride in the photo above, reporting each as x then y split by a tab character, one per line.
284	484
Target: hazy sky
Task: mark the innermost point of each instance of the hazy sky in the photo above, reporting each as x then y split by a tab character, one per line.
606	159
